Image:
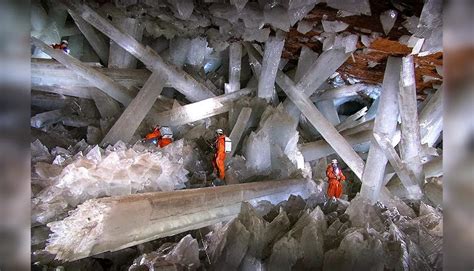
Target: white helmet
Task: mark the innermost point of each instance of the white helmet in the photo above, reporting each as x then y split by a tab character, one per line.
334	161
219	132
65	42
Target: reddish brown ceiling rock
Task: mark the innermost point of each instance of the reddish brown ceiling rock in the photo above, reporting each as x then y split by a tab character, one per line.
378	52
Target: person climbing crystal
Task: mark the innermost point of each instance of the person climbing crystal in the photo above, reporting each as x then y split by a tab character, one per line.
335	177
220	150
161	136
62	46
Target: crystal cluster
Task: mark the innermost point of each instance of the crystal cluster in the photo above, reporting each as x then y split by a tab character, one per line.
95	172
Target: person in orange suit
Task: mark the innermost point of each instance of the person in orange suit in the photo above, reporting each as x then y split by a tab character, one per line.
156	137
335	177
61	46
219	156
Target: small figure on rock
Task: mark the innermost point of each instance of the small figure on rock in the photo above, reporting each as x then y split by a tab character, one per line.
62	46
222	145
335	177
160	136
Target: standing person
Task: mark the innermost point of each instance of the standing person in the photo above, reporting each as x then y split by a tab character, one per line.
161	136
62	46
335	177
219	156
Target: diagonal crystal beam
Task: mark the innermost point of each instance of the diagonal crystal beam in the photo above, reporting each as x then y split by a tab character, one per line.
327	130
127	124
410	144
98	79
200	110
193	90
405	174
96	40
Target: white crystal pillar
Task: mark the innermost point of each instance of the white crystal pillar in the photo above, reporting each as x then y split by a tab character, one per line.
431	119
235	57
353	120
108	107
193	90
339	93
48	73
306	59
405	174
320	70
239	128
271	60
113	223
385	123
118	57
329	111
95	39
98	79
410	146
127	124
200	110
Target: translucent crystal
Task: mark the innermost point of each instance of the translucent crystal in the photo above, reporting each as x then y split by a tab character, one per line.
296	14
284	255
431	15
184	8
334	26
252	16
229	248
271	60
198	50
388	18
349	42
186	253
304	26
434	43
39	152
235	56
361	213
278	18
179	48
260	35
239	4
257	152
224	11
333	41
46	118
118	171
366	40
353	6
411	24
361	249
306	59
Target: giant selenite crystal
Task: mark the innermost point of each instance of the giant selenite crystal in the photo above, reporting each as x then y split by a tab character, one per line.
235	56
385	123
410	145
272	149
271	60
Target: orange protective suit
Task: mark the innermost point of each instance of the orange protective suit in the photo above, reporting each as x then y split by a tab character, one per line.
335	187
61	46
162	142
219	156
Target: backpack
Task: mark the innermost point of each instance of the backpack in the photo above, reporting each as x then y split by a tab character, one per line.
228	145
166	132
